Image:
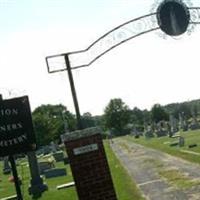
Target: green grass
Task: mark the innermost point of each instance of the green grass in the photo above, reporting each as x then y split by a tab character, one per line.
125	188
177	179
8	189
163	144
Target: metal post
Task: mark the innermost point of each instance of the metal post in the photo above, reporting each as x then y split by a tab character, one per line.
16	179
73	90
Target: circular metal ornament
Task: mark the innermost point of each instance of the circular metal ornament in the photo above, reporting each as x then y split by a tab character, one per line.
173	17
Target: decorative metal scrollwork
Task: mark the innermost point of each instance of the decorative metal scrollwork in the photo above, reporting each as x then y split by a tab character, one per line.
112	39
194	15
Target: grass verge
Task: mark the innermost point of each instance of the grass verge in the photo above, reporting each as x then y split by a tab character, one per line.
163	144
177	179
125	188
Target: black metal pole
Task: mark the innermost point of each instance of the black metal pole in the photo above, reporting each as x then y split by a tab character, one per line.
73	90
16	179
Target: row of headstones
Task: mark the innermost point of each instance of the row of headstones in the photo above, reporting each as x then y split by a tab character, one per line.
54	154
181	142
164	128
47	165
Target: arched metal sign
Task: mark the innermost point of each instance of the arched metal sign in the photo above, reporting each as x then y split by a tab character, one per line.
173	17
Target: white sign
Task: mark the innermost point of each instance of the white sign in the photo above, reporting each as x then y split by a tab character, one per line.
85	149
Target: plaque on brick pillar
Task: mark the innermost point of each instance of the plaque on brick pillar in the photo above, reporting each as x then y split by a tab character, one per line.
89	165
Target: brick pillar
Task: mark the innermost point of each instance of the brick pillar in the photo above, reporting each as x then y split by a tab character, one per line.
89	165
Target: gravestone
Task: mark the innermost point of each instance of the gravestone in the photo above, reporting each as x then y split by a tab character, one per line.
53	147
89	165
182	122
39	152
194	124
181	141
56	172
6	166
45	165
135	132
66	160
58	156
46	150
148	132
173	124
192	145
66	185
161	130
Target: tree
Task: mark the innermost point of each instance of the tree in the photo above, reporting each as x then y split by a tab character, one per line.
50	121
116	115
87	120
158	113
137	116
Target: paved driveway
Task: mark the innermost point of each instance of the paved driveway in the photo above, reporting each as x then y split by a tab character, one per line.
146	167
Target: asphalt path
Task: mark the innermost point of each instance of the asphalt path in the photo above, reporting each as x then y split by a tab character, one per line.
145	166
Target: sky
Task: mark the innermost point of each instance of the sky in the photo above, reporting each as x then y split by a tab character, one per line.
143	71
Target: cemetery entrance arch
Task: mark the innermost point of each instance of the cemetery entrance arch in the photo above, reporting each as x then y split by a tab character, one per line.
173	17
85	147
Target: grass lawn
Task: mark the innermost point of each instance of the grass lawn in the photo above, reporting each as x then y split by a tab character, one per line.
163	144
125	188
8	189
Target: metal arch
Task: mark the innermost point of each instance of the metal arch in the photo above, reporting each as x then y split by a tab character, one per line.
112	39
107	42
111	31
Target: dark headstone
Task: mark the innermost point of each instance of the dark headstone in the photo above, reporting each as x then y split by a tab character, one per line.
6	166
137	136
181	141
161	133
46	150
52	173
194	126
66	160
149	134
58	156
192	145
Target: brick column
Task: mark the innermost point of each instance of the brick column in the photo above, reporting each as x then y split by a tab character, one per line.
89	165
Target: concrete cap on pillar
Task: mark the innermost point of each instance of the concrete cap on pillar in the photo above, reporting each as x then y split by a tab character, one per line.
81	133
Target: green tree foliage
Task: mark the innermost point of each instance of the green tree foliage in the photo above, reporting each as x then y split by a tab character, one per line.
116	115
87	120
139	117
188	109
158	113
50	121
